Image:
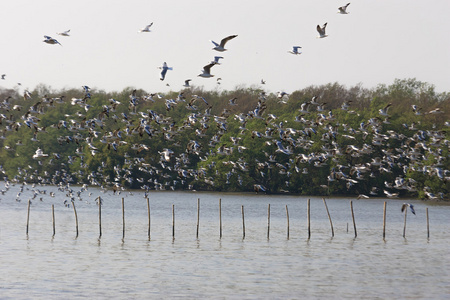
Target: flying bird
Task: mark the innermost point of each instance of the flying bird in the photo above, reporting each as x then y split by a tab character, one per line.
216	60
206	72
50	40
3	76
164	70
343	9
321	30
295	50
186	83
410	206
146	28
221	47
64	33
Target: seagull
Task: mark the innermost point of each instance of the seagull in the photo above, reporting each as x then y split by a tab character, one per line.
206	72
164	70
216	60
146	28
64	33
39	153
410	206
50	40
186	83
343	9
321	30
221	47
383	111
295	50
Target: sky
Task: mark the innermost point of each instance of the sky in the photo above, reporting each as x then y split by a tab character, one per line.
377	42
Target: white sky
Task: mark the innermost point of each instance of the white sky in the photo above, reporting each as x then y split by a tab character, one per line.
379	40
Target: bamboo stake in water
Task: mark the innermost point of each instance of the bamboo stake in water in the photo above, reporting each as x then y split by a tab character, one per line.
308	215
428	224
123	218
53	219
173	221
329	217
268	221
384	220
28	215
404	225
76	218
353	218
220	217
198	216
148	208
243	222
99	215
287	217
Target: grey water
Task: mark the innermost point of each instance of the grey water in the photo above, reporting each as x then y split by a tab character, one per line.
174	263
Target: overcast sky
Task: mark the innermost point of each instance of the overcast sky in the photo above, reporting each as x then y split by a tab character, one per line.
378	41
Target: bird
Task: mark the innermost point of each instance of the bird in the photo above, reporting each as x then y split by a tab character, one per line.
321	30
343	9
221	47
206	72
186	83
295	50
216	60
383	111
64	33
39	153
3	76
50	40
146	28
164	70
410	206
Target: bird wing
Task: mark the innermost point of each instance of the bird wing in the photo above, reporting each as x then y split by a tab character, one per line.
225	40
207	68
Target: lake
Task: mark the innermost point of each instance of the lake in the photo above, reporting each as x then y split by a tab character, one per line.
174	263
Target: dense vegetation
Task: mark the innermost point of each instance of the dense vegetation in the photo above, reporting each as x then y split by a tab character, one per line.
326	139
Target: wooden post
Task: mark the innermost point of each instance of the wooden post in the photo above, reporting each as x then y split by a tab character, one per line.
198	216
148	209
384	220
428	224
99	215
308	216
404	225
123	218
243	222
76	218
268	221
53	219
28	215
353	218
329	217
173	221
287	217
220	217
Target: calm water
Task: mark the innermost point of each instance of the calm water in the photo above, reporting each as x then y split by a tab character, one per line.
254	267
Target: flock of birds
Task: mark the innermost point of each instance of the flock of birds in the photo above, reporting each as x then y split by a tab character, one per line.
173	169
